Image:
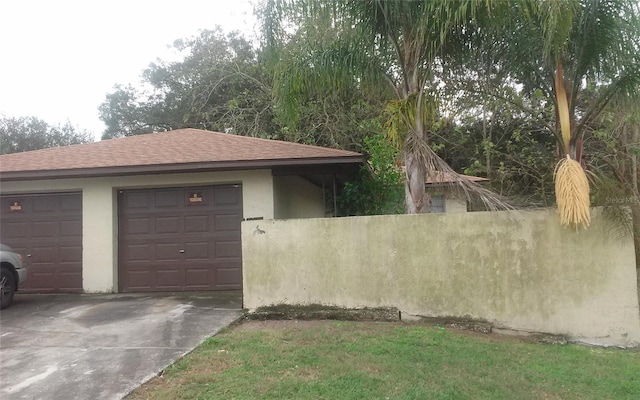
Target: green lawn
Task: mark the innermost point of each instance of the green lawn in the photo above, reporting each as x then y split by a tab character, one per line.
368	360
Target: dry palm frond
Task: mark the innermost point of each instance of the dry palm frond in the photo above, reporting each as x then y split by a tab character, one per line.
436	166
572	193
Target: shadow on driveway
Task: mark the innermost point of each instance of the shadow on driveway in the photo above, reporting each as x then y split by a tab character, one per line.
102	346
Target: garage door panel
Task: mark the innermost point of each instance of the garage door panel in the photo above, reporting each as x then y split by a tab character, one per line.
197	223
70	254
137	226
71	228
44	229
42	254
167	252
71	204
46	204
42	277
167	198
169	278
71	281
136	200
167	225
138	252
228	276
226	197
227	222
188	227
197	278
18	230
139	279
229	249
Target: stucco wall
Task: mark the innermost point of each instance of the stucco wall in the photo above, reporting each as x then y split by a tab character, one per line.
296	197
99	202
519	270
454	205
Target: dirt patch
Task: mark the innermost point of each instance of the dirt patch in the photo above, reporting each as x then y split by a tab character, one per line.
497	336
251	326
284	316
321	312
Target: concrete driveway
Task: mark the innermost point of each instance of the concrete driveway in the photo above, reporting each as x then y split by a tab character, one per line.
101	346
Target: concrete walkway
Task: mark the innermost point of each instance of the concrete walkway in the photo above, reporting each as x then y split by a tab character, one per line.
102	346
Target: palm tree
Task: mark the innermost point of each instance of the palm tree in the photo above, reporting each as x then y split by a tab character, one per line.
581	53
376	45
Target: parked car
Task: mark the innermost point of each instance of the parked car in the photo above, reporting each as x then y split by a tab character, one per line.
12	274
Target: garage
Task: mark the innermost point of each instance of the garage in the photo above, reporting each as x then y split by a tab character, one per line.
47	230
180	239
159	212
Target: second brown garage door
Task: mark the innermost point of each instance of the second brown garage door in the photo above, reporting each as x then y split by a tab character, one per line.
180	239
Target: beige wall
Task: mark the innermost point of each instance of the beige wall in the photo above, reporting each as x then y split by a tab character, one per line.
454	205
296	197
519	270
99	202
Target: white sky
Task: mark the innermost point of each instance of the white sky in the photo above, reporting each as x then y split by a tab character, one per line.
59	58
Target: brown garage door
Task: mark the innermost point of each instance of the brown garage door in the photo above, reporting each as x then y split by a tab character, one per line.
47	230
179	239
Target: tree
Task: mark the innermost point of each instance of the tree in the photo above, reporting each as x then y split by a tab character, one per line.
613	153
580	54
30	133
369	45
377	188
218	85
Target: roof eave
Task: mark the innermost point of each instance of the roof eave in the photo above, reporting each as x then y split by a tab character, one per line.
174	168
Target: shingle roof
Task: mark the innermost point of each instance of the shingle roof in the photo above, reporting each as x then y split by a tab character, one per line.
180	149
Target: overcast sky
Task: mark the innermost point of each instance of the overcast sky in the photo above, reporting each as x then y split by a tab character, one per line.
61	57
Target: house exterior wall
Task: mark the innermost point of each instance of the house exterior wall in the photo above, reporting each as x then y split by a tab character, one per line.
519	270
296	197
453	205
100	210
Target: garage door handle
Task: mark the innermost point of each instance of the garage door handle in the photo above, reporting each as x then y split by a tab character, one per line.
181	251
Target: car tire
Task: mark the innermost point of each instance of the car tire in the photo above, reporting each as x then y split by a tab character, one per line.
8	288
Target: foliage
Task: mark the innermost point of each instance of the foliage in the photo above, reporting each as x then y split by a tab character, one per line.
219	85
377	189
30	133
573	55
466	84
594	42
520	155
373	46
612	152
318	108
365	360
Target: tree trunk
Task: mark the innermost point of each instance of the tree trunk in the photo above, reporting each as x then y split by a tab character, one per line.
635	215
417	199
634	160
635	206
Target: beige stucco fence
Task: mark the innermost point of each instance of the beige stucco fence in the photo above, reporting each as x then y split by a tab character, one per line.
518	270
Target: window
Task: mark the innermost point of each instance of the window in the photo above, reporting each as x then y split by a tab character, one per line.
437	203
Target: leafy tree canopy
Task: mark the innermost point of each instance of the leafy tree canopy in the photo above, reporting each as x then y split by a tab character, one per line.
20	134
219	85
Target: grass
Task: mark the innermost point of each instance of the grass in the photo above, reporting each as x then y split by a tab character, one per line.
366	360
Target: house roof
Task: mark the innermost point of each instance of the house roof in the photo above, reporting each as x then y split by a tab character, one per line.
182	150
440	178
